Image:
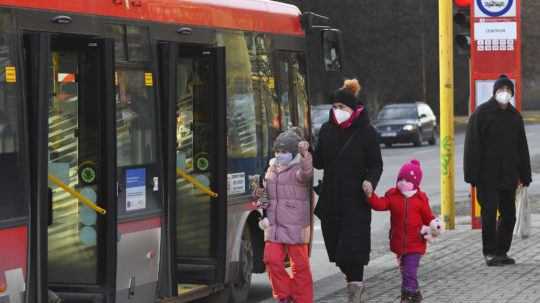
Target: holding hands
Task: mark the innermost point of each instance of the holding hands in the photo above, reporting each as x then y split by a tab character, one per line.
368	188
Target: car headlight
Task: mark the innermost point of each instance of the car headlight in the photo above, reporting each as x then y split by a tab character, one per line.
409	127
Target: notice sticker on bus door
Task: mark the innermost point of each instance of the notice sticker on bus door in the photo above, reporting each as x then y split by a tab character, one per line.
236	183
135	189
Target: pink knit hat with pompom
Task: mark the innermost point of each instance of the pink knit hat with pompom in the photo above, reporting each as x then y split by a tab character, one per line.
411	172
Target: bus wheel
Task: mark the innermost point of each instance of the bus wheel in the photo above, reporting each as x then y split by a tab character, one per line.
240	287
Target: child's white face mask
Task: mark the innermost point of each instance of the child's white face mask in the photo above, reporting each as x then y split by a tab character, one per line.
283	158
406	188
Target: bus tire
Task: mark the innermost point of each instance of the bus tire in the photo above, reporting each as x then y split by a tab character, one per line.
239	288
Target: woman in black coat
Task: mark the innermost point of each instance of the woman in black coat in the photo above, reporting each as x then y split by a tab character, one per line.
349	154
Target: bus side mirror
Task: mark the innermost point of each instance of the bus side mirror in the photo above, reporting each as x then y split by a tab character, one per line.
331	45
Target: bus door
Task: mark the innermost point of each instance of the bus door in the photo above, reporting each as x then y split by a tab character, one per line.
197	153
139	166
14	188
70	92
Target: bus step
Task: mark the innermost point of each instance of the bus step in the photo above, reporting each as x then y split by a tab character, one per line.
189	293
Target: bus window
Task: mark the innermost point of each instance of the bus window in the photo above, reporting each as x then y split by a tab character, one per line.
265	92
284	91
117	32
292	91
195	154
11	176
135	118
131	43
138	43
242	134
299	87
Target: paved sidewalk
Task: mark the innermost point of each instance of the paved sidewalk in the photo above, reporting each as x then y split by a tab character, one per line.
454	271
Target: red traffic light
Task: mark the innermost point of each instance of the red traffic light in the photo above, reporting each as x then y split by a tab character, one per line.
463	3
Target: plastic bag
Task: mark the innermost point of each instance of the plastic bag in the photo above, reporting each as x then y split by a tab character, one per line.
523	214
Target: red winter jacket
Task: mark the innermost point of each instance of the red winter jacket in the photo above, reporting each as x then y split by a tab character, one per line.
407	215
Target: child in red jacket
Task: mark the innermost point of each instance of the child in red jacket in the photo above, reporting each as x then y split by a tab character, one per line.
410	217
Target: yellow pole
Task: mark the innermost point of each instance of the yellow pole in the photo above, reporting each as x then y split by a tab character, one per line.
76	195
198	185
446	83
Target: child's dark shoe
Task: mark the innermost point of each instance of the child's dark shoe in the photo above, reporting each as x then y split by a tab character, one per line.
411	297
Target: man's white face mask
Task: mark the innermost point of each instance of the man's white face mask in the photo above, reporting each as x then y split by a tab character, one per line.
503	97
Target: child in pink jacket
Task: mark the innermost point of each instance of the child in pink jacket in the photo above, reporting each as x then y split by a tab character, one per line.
287	185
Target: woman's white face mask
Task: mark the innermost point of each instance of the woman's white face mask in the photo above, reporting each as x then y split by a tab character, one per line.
503	97
341	115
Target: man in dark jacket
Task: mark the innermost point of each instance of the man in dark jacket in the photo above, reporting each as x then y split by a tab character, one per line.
496	161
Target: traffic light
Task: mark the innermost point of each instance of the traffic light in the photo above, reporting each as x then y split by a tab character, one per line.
462	29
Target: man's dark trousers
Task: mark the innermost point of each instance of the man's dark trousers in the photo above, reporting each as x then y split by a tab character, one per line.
497	236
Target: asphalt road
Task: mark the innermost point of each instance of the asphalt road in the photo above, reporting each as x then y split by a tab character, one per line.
393	159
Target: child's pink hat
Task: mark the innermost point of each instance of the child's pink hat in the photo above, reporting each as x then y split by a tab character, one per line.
411	172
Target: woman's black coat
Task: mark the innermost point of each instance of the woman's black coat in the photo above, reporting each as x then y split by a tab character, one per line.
342	207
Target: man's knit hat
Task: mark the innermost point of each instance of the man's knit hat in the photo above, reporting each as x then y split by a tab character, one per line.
411	172
503	81
288	141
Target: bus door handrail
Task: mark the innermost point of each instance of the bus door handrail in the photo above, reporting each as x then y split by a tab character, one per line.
198	185
76	195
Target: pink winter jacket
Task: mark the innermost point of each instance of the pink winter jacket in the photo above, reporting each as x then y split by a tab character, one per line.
289	192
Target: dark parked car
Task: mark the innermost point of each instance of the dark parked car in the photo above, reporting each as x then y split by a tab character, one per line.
406	123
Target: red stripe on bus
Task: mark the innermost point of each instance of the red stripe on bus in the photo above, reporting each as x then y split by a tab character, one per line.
249	15
13	250
135	226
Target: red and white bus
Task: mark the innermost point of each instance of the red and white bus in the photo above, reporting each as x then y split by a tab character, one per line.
130	133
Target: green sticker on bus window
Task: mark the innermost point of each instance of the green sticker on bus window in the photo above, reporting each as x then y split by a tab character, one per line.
87	173
202	164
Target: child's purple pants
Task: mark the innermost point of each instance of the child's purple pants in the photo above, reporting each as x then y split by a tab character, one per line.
409	268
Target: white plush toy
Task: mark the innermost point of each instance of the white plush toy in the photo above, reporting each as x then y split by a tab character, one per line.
436	227
432	231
